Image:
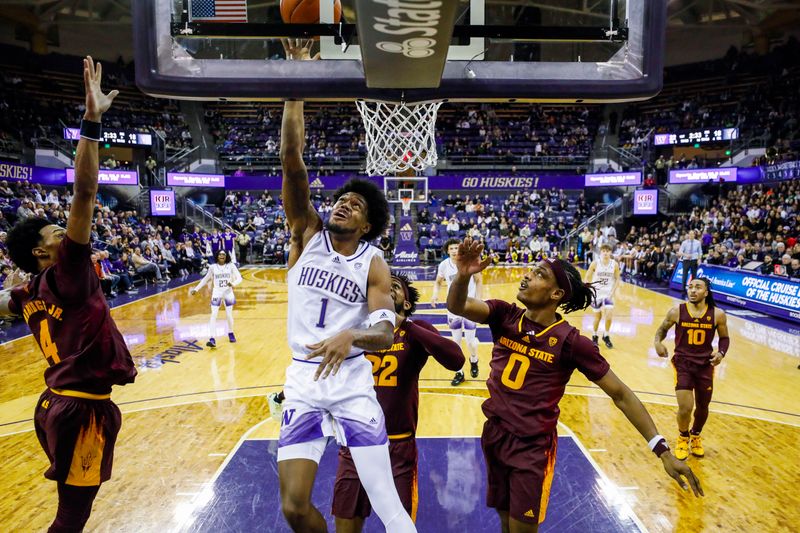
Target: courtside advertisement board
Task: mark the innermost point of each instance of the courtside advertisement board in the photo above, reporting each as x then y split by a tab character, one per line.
773	295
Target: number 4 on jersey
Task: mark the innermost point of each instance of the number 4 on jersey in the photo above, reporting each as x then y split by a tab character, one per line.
46	343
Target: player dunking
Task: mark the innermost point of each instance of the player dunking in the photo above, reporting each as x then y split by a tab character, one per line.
604	276
695	358
444	275
75	420
339	306
396	374
535	352
224	276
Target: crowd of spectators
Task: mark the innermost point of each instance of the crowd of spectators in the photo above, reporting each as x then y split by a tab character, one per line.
754	226
126	249
40	94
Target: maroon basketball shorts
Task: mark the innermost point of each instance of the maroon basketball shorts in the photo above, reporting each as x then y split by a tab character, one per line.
77	432
519	471
349	497
692	374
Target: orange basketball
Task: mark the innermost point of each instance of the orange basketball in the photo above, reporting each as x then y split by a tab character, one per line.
306	11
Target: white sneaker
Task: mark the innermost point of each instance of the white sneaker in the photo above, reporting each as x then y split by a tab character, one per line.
275	408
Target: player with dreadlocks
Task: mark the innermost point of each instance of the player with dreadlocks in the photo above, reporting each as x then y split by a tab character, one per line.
396	373
535	352
695	358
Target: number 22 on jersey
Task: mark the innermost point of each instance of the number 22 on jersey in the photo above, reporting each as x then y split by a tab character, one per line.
46	343
383	369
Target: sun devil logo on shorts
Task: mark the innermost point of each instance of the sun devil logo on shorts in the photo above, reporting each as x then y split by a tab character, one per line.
552	341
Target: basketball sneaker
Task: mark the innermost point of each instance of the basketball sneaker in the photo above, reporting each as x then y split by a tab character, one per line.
696	445
275	407
458	379
607	340
682	448
473	369
231	337
211	343
594	340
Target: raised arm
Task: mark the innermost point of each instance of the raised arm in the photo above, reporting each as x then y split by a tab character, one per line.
301	216
468	262
661	333
79	223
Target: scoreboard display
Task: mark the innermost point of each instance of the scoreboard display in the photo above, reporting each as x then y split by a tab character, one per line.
115	136
700	136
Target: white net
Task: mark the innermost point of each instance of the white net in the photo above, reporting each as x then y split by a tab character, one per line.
400	136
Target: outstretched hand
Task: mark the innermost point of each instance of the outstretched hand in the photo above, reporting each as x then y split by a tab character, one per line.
678	470
97	103
468	260
299	49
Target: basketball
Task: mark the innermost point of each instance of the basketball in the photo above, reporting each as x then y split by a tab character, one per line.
306	11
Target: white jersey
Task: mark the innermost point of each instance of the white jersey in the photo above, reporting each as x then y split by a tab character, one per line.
327	293
221	276
604	277
448	271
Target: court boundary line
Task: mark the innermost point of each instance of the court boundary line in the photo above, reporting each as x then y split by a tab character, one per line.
568	434
624	503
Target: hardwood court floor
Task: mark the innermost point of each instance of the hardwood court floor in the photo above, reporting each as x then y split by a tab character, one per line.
190	406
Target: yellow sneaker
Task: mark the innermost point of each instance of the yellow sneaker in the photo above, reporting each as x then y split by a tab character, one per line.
682	448
696	446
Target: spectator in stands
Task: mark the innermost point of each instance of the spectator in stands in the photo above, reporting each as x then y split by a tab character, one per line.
243	243
124	282
25	210
453	227
793	271
145	267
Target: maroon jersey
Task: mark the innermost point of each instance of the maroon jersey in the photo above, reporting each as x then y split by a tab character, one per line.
396	372
694	335
69	317
531	365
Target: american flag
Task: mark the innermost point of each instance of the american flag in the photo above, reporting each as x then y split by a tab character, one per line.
219	10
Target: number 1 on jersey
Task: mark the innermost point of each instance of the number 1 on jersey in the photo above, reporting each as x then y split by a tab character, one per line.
321	323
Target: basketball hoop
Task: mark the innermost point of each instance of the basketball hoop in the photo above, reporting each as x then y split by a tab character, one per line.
400	136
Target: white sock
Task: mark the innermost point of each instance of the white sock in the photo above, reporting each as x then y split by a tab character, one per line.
229	314
472	345
456	333
212	324
375	472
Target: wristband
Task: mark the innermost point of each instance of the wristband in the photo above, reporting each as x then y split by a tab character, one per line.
92	131
380	315
658	445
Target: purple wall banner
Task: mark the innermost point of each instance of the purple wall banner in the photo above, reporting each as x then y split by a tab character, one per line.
468	183
613	179
185	179
110	177
702	175
43	175
645	202
406	252
162	203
